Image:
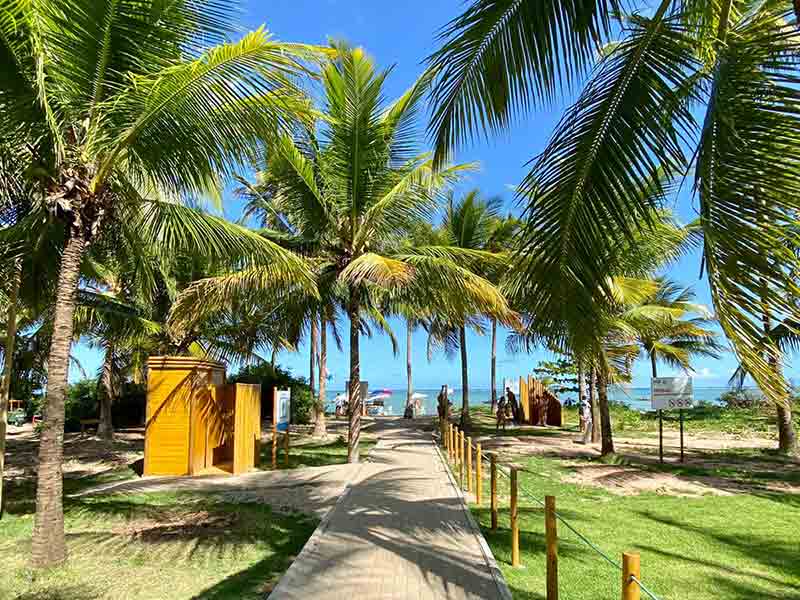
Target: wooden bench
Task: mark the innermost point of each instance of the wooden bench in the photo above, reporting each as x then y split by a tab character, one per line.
87	422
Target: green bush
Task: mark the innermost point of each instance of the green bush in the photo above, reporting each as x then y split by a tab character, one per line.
741	399
302	406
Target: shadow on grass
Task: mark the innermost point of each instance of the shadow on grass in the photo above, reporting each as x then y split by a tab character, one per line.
781	556
313	454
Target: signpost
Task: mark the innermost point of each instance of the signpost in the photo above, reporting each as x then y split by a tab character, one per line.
281	409
670	393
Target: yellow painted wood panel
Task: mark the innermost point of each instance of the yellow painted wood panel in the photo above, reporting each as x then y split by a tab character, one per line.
175	431
247	429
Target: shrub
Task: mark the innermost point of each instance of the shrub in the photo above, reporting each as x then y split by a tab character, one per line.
741	399
269	378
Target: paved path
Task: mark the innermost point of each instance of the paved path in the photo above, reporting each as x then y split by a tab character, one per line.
401	532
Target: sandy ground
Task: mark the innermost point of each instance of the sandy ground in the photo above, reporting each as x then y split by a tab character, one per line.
636	468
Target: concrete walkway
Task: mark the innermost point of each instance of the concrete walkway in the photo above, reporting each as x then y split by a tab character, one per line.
401	531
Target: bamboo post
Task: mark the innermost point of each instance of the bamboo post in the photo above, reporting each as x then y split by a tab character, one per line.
274	445
514	520
461	458
493	488
286	448
478	474
631	567
468	447
453	453
447	437
551	537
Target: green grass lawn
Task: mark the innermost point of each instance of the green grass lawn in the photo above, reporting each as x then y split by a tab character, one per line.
153	546
308	452
735	547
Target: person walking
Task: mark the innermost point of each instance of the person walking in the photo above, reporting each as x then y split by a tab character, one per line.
513	405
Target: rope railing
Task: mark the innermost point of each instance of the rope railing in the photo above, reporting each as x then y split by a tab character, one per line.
465	447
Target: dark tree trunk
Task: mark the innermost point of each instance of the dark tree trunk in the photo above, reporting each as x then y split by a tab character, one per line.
354	393
493	369
273	357
8	365
320	427
409	384
312	354
607	446
48	545
787	436
581	397
653	366
593	403
107	396
466	421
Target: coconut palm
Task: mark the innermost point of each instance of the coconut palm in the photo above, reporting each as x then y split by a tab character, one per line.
731	61
122	105
469	224
352	187
678	338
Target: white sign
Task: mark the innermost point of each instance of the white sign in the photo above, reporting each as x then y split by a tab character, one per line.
669	393
283	400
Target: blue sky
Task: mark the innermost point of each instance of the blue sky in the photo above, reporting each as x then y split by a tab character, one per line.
402	34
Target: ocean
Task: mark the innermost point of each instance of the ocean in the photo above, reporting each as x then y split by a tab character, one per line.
635	397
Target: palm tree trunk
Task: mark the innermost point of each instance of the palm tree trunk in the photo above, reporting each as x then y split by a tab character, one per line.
593	405
354	393
493	369
409	384
320	427
106	427
48	545
273	357
8	364
607	446
312	353
787	436
466	423
653	366
581	397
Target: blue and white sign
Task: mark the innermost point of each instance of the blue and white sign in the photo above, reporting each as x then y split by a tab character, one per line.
281	410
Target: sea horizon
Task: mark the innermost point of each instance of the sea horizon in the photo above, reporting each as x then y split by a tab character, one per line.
637	398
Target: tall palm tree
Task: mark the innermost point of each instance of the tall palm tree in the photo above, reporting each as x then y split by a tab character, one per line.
469	224
352	186
504	231
731	61
122	105
680	337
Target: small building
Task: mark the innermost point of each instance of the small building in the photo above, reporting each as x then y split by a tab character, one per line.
197	424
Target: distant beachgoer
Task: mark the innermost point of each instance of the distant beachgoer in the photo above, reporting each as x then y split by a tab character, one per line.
586	408
512	404
502	414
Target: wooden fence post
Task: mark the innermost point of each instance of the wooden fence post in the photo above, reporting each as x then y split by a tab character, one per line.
453	443
286	448
274	445
631	567
493	488
551	537
461	458
514	520
468	446
478	474
447	438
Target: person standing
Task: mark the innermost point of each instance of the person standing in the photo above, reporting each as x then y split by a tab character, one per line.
512	404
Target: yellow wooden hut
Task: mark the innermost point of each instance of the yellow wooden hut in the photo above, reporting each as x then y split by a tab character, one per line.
196	423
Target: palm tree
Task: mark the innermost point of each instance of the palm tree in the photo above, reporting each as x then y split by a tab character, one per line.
469	224
351	187
121	108
730	61
501	239
678	338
